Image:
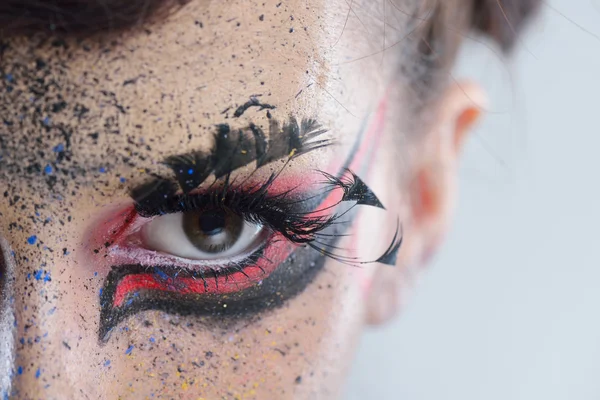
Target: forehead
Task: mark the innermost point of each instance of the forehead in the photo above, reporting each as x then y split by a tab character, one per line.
76	110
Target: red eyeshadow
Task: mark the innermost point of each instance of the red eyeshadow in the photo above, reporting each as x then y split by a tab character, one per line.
274	254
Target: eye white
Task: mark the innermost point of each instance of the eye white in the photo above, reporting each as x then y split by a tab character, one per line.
166	234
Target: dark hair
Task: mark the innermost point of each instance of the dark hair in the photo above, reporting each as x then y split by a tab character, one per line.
500	19
80	17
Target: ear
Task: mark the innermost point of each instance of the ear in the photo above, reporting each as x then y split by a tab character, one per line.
431	191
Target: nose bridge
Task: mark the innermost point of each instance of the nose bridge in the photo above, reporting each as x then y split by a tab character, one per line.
7	317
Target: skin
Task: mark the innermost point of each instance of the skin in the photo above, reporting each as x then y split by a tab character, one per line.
160	92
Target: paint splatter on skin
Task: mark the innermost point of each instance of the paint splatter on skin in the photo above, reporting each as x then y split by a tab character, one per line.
81	122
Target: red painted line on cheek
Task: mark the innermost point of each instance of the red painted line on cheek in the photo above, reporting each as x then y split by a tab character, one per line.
274	254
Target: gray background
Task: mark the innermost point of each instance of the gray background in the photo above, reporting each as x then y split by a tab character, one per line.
509	309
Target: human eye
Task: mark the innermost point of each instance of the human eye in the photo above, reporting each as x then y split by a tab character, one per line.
232	247
213	234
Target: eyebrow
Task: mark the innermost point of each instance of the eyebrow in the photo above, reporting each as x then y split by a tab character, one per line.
233	149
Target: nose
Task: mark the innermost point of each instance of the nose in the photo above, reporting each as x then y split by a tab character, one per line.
7	318
30	365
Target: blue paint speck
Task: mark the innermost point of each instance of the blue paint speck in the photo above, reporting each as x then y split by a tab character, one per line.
46	121
102	170
38	373
161	274
129	350
106	363
59	148
190	171
20	371
123	180
47	277
38	274
32	239
48	169
152	340
100	292
10	77
95	273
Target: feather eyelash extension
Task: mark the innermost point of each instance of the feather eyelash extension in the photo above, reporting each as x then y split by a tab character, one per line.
354	189
235	148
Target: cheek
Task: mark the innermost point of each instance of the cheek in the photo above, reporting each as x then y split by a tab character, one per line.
372	233
297	348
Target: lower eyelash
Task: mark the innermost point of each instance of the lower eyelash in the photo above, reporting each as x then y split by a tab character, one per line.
130	251
142	286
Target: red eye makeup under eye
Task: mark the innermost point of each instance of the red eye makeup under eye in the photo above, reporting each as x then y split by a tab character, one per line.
276	251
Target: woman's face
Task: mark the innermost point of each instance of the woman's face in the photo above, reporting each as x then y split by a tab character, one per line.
172	200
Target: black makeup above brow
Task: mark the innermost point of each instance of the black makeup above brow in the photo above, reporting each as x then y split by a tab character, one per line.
253	102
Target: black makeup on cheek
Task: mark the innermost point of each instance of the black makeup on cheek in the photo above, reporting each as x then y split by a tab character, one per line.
289	278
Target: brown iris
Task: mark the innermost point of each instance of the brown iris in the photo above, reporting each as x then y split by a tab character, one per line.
212	231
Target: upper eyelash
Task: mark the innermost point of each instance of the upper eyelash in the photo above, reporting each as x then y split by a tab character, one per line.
283	212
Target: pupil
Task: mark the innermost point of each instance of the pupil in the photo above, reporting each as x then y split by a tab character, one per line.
212	223
212	231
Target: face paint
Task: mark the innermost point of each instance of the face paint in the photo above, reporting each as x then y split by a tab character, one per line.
93	119
268	276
